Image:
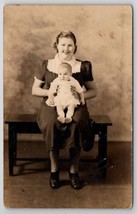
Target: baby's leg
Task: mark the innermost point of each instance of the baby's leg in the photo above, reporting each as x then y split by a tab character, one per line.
70	113
61	114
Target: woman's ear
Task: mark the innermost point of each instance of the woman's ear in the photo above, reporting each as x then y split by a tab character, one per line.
55	46
75	49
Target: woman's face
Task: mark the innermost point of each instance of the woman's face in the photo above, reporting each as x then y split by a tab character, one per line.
65	48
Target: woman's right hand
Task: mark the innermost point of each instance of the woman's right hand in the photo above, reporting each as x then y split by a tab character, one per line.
51	102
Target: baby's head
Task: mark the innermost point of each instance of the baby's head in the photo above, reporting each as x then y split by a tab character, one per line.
64	71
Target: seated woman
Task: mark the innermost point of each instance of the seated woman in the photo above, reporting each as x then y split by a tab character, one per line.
79	128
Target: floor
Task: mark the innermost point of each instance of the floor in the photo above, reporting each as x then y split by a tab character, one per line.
29	187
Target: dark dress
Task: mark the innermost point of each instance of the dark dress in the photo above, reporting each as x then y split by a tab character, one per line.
77	130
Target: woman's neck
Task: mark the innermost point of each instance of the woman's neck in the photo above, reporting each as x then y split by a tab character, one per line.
62	59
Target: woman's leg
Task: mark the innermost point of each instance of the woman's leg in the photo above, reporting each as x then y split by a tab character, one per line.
54	159
73	174
75	142
54	175
47	123
74	158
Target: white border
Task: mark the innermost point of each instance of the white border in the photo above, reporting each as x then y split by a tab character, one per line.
75	211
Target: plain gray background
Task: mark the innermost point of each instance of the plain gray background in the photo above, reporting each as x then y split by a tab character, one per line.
2	208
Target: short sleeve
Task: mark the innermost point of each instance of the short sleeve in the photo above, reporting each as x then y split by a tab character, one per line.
40	73
86	70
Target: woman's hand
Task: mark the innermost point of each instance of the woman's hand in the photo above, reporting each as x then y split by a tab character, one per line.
74	92
51	99
57	90
51	102
82	101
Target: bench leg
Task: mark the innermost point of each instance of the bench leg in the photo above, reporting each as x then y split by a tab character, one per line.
12	147
102	151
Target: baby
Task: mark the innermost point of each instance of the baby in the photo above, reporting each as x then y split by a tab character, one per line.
61	96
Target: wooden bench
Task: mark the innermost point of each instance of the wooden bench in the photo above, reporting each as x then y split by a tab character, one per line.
26	123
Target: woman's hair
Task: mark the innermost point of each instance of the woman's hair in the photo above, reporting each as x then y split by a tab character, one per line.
65	34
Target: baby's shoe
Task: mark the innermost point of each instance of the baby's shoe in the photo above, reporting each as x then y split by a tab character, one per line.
61	119
68	120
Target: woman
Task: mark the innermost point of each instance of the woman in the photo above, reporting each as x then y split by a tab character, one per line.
56	135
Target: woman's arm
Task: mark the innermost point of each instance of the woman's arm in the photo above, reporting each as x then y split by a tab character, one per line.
91	90
37	90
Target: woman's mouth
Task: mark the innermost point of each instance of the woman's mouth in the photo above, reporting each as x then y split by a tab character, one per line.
66	53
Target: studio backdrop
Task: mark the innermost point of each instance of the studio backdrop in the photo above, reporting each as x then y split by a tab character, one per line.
104	37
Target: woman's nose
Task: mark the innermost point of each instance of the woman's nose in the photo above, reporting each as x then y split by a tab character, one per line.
66	47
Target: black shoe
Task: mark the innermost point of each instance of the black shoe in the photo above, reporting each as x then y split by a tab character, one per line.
75	181
54	180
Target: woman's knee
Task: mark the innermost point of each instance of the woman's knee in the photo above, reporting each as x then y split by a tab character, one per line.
79	114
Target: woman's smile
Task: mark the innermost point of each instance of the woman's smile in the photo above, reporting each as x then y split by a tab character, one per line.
66	52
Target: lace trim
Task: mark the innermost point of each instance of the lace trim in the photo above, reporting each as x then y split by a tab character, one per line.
54	63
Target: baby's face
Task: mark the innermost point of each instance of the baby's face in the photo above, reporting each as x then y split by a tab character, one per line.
64	74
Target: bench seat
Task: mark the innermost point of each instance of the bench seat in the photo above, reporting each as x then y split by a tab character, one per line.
26	123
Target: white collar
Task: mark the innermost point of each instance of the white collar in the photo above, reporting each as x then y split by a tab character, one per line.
54	63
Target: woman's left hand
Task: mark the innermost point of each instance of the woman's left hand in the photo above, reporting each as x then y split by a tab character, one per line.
74	92
83	102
